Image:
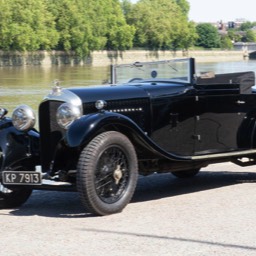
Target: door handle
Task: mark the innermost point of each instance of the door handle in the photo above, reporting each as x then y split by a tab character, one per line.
240	102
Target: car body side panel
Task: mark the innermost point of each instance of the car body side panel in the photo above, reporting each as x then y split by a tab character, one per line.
87	127
217	124
225	119
174	123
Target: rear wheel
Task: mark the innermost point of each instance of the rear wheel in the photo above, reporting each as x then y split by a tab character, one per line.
13	198
107	173
186	174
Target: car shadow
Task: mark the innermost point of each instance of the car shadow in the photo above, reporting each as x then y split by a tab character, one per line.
158	186
149	188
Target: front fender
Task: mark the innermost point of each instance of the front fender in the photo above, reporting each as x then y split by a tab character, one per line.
16	146
87	127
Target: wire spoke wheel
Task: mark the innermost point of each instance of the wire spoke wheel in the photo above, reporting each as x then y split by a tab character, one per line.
107	173
112	175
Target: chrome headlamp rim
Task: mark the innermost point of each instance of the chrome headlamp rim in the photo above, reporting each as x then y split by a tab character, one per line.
23	118
66	114
3	112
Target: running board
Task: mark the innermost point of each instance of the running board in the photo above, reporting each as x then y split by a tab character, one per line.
55	186
244	153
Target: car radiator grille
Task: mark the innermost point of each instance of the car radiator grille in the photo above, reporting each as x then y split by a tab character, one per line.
50	132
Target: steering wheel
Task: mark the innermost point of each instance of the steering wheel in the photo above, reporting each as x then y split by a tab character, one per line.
134	79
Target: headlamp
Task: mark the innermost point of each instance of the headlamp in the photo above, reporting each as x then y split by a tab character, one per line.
66	114
23	118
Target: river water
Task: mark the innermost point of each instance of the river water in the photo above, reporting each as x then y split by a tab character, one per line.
28	85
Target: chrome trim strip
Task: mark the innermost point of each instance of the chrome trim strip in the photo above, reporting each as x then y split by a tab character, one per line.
231	154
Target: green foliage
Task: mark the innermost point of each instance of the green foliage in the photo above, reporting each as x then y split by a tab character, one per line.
26	25
234	36
247	25
187	37
249	36
226	43
184	6
208	36
108	16
161	24
87	25
78	25
90	25
126	6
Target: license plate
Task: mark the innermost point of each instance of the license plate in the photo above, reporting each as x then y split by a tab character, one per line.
21	178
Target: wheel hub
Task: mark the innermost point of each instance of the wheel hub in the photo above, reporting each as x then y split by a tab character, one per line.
117	174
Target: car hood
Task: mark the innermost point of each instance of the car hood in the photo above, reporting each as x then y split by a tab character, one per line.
122	92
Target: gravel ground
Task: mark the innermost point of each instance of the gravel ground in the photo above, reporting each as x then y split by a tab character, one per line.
211	214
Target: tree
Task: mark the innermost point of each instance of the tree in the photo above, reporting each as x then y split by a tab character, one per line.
78	25
117	33
186	38
160	24
74	28
247	25
234	36
208	36
26	25
184	6
249	36
226	43
126	6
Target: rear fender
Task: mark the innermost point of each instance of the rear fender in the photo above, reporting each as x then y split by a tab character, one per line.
246	135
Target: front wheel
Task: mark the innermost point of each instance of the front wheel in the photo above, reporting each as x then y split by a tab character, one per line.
13	198
107	173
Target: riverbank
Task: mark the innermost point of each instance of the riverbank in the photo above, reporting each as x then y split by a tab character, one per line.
104	58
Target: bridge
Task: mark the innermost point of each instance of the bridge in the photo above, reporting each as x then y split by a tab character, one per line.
249	49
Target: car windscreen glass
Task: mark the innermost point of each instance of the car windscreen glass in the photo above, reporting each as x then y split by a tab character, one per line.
177	70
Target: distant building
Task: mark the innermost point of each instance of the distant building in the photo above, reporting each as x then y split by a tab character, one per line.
223	26
235	24
231	24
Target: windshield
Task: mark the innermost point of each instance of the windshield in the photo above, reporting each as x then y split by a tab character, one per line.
177	70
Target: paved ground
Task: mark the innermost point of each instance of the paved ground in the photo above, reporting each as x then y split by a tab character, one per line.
211	214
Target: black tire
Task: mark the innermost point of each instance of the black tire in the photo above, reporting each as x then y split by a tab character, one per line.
107	173
186	174
13	198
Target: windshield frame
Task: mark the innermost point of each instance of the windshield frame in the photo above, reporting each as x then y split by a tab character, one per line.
189	63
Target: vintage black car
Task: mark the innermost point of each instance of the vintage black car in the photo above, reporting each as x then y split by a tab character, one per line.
154	117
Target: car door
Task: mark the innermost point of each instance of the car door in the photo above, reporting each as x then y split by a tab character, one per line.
221	110
173	120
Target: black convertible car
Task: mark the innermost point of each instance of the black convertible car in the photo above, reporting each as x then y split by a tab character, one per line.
153	117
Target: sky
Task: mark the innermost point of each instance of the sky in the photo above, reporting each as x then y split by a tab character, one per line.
225	10
221	10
